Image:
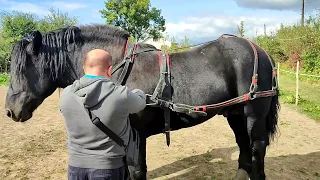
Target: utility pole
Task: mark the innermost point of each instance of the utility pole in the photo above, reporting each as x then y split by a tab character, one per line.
265	29
302	13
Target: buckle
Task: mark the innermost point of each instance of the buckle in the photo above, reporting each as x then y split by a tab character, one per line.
166	131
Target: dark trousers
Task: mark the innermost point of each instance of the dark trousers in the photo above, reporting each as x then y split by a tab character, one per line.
75	173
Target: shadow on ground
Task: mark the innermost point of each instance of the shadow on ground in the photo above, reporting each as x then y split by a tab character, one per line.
218	164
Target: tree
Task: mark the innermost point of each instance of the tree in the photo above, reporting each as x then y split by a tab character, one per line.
136	17
177	47
241	29
56	20
15	25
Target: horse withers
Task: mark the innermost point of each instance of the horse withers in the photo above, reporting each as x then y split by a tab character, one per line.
229	76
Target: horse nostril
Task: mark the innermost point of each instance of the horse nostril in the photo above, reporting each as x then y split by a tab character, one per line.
9	113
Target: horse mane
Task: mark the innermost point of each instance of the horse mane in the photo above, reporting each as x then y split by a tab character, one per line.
55	45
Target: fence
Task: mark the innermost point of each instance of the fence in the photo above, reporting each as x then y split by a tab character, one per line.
297	74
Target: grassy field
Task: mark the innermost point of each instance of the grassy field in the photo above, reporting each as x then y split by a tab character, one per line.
309	93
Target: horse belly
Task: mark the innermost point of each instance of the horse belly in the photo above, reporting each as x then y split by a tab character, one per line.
204	88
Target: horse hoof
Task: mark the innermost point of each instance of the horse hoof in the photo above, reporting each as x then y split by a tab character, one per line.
242	175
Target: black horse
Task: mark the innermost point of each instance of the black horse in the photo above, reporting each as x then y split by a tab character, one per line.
232	70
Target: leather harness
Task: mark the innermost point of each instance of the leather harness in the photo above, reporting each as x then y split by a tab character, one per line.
162	95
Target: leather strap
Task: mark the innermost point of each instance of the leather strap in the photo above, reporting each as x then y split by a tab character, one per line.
96	121
128	65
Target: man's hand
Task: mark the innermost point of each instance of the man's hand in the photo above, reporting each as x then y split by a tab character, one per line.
136	101
140	93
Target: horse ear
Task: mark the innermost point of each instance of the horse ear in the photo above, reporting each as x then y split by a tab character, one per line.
35	42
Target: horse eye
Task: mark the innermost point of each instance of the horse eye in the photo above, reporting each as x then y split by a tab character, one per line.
13	91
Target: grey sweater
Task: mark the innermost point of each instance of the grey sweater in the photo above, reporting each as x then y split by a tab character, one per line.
88	146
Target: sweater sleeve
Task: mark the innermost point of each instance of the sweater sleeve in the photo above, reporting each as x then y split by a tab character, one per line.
136	101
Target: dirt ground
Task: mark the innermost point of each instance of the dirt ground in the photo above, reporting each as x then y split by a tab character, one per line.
37	149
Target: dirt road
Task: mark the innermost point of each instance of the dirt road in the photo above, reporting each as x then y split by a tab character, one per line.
37	149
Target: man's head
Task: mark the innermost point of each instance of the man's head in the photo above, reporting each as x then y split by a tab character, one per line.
98	62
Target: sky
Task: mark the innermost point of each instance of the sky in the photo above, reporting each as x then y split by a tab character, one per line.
199	20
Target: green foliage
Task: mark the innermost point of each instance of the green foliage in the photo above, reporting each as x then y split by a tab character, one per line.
272	46
5	47
55	20
177	47
4	79
241	29
296	43
15	25
311	59
136	17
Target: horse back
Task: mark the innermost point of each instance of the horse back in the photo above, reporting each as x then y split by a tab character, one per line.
219	71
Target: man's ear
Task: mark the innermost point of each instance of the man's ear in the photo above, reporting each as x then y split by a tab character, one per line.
35	42
109	71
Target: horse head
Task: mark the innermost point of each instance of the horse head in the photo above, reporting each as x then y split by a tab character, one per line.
28	86
40	63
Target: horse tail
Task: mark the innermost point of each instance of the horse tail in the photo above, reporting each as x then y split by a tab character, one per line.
272	116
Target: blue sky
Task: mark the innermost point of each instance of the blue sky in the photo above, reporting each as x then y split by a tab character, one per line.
200	20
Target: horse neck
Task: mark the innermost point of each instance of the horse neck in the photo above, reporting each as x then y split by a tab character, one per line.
74	69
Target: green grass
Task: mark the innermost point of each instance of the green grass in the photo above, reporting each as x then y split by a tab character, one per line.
4	78
309	94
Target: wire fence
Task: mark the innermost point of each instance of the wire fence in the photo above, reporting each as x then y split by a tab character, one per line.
297	75
307	75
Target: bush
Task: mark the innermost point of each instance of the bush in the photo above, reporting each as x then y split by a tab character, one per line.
15	25
4	79
295	43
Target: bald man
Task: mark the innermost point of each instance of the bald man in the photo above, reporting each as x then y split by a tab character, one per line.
93	155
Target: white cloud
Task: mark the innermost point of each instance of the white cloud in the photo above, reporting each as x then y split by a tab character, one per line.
201	29
27	7
66	5
39	9
295	5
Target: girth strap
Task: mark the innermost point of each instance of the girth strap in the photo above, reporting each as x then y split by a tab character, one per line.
166	92
162	95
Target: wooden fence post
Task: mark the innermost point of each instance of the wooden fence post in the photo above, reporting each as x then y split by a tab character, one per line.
278	74
297	83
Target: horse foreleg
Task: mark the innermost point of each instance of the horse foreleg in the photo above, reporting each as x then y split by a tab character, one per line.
238	125
139	172
256	113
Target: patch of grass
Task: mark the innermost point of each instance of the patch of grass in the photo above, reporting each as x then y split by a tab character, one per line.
4	79
207	156
309	94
